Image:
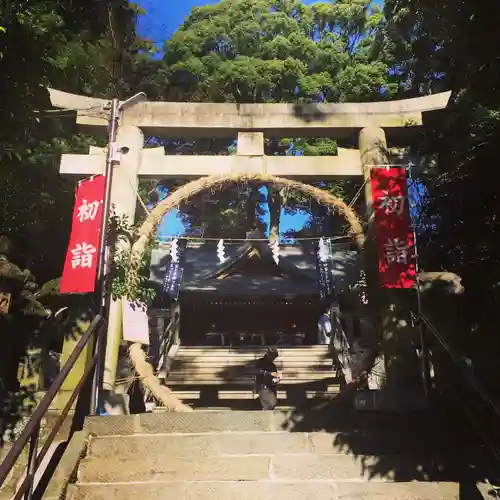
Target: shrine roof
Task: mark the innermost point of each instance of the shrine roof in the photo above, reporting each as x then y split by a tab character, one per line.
250	270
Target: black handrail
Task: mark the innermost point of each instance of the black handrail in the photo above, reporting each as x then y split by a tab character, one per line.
166	342
473	383
473	380
30	433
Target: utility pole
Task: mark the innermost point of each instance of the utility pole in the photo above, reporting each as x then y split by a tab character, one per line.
112	158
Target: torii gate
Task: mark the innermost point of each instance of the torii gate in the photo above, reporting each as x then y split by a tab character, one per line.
372	125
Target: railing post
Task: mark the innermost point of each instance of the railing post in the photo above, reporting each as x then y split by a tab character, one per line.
95	393
95	379
425	359
31	433
420	324
31	471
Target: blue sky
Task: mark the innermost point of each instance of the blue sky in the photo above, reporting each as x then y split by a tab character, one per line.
165	16
162	19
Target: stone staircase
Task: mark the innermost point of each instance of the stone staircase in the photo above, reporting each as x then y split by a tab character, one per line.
257	455
222	377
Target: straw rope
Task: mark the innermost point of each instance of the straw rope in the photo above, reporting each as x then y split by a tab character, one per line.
151	382
182	196
219	182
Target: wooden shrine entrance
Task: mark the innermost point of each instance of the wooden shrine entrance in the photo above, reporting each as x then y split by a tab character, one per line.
249	299
240	321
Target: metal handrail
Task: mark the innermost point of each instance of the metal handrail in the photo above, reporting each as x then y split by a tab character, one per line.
473	380
166	343
30	433
473	383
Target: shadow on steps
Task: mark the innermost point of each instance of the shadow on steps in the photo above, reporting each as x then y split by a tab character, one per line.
419	446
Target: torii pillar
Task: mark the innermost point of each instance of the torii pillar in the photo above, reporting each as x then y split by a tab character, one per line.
129	141
373	151
395	379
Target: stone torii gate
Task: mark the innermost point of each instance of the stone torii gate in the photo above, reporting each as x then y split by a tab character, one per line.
372	125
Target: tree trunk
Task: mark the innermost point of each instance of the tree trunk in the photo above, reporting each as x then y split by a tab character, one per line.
275	203
253	199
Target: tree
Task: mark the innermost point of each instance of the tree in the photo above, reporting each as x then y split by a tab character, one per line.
82	46
276	51
442	46
72	46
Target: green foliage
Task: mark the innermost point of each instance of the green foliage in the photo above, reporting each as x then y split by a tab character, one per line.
81	46
273	51
129	275
311	147
437	46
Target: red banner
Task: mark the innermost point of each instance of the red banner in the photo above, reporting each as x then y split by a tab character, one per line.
396	250
82	258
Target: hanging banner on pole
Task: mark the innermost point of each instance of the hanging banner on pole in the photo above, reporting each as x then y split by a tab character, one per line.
173	276
324	267
80	266
395	242
173	279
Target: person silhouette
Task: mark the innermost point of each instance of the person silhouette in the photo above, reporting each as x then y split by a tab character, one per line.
325	327
267	379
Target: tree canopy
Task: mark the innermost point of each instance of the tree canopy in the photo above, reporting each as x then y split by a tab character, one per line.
452	46
86	47
275	51
278	51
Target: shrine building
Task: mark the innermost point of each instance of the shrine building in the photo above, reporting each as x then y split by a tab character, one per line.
250	299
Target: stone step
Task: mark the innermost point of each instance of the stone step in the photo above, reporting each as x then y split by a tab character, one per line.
252	467
248	394
250	361
216	367
352	425
266	490
236	372
256	349
242	358
257	455
282	353
202	421
354	432
250	382
210	362
237	377
225	405
251	443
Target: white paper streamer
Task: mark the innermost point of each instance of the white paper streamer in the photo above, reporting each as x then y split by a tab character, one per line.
323	252
174	250
275	248
221	251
